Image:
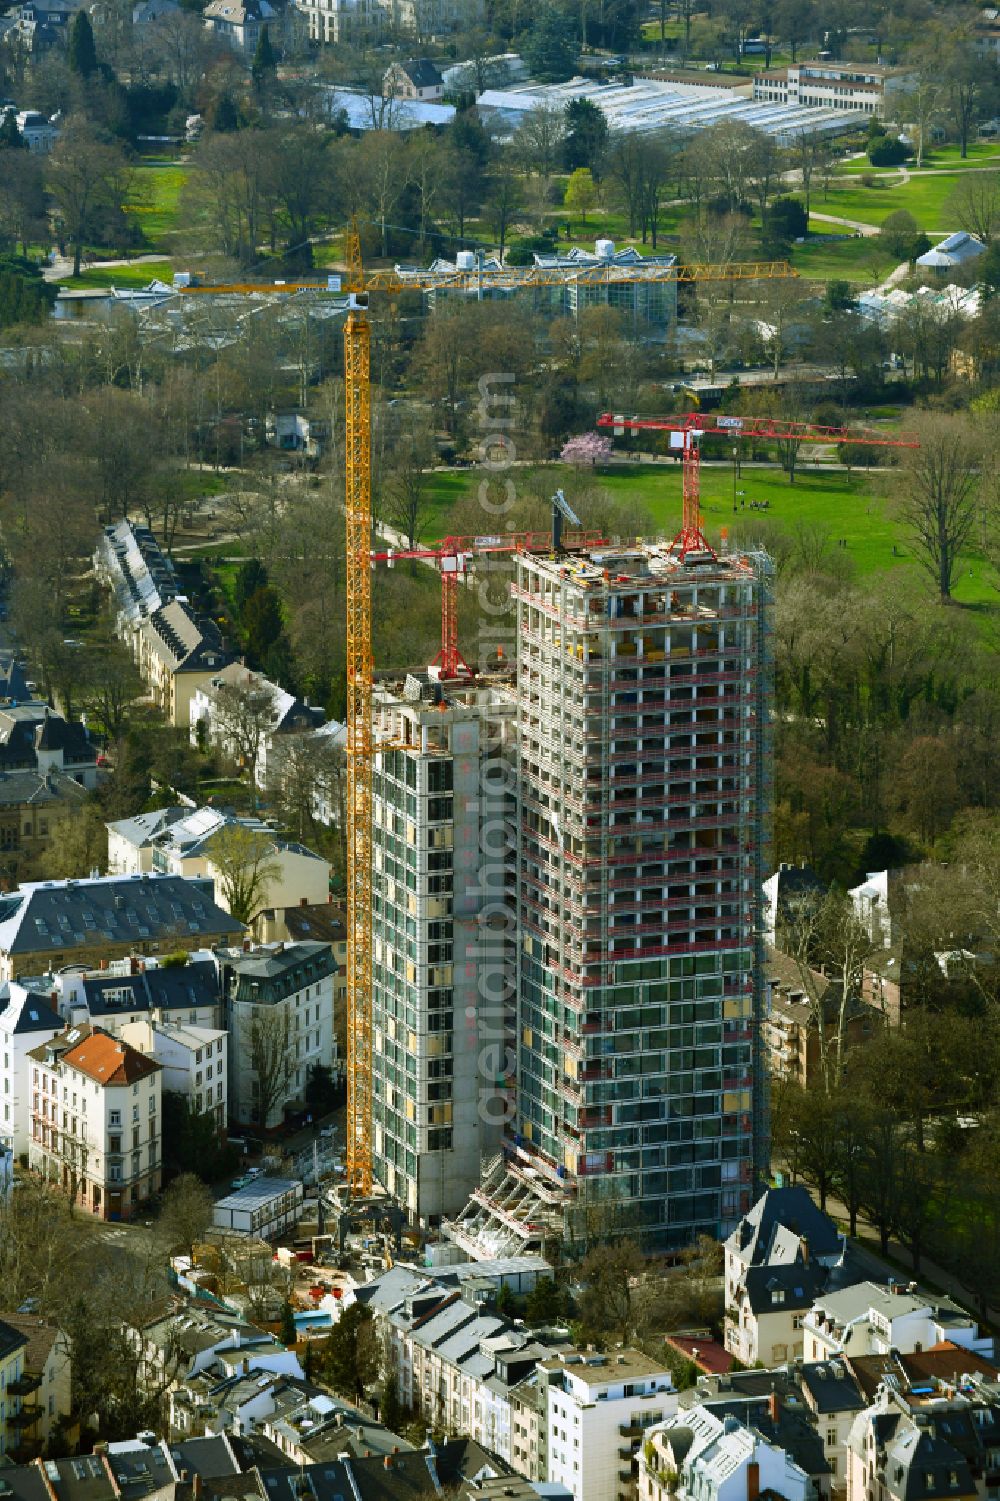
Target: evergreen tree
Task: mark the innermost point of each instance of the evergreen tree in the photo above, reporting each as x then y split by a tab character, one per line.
225	116
586	135
11	138
24	296
82	52
265	64
288	1331
392	1412
548	48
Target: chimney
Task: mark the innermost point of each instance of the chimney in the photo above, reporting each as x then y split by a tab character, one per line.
804	1243
183	1477
774	1407
196	1484
753	1480
387	1461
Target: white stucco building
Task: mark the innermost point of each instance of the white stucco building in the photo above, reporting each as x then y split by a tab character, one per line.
872	1318
599	1407
95	1120
192	845
705	1456
194	1062
26	1020
279	1015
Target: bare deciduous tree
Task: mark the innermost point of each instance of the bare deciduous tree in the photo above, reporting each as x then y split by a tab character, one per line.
245	866
938	505
244	715
271	1057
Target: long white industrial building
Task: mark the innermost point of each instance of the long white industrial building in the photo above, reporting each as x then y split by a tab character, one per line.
648	105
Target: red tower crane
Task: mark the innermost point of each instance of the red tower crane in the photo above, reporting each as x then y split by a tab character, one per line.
690	428
454	555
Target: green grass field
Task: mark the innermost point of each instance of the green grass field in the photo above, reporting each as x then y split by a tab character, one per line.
859	260
123	276
924	195
981	154
857	507
156	191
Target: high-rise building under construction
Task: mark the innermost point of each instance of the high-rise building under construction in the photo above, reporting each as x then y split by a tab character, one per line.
441	1006
643	792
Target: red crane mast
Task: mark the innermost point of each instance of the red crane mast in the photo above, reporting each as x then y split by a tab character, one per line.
690	428
454	556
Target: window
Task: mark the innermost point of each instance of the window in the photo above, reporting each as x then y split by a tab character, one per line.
831	1437
115	1118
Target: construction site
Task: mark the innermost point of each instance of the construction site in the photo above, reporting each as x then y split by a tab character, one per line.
556	844
555	860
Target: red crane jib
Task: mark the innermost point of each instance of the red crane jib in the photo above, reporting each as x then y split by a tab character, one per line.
693	426
455	551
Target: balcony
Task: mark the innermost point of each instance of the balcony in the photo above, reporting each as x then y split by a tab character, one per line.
630	1430
26	1418
24	1385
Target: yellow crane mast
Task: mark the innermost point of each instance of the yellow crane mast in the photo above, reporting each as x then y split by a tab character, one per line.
358	508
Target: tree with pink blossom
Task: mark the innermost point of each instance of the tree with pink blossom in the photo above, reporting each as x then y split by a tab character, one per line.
587	449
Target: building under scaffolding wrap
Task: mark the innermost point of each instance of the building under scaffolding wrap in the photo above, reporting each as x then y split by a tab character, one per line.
644	790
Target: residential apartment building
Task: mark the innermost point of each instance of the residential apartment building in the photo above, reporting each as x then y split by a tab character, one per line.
247	717
47	925
239	22
600	1409
642	803
140	988
440	982
279	1016
178	1347
870	1318
706	1456
46	767
340	20
195	845
45	1384
456	1359
174	650
553	1413
937	1444
96	1113
778	1260
193	1059
27	1019
868	88
13	1345
803	1027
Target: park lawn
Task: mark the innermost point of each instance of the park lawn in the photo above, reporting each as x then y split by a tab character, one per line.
925	196
155	194
981	154
857	507
123	276
859	259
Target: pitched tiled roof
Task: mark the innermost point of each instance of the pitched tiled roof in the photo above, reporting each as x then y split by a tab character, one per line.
108	1060
52	916
39	1335
103	1058
422	73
